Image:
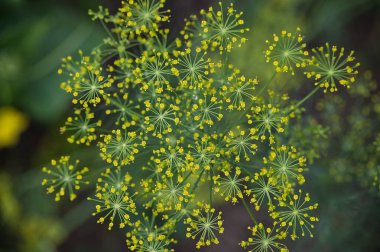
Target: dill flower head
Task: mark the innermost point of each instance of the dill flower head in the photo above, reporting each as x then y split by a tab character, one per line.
203	225
148	235
241	143
287	51
219	29
170	195
155	245
264	240
161	118
172	158
286	164
330	66
120	147
192	67
295	214
265	189
146	14
202	155
113	200
82	126
269	118
232	187
156	68
239	91
207	111
64	177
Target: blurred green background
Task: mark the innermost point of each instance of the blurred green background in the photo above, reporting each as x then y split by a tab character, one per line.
35	35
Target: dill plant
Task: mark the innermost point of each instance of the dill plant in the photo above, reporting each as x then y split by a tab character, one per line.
193	122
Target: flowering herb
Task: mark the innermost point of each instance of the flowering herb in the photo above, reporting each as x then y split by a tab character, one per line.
159	112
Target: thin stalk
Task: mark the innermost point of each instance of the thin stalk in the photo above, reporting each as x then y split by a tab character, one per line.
267	83
249	211
307	97
197	182
152	222
105	27
186	178
225	65
195	186
247	171
211	186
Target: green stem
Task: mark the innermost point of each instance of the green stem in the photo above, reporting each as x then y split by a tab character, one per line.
152	222
246	171
105	27
197	182
186	178
195	186
267	83
211	186
249	211
307	97
225	65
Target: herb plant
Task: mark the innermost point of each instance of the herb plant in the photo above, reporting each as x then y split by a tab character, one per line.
174	121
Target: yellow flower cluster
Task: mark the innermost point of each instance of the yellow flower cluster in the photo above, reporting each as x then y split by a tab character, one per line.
113	199
327	64
64	177
219	29
330	66
174	119
204	222
264	239
287	51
